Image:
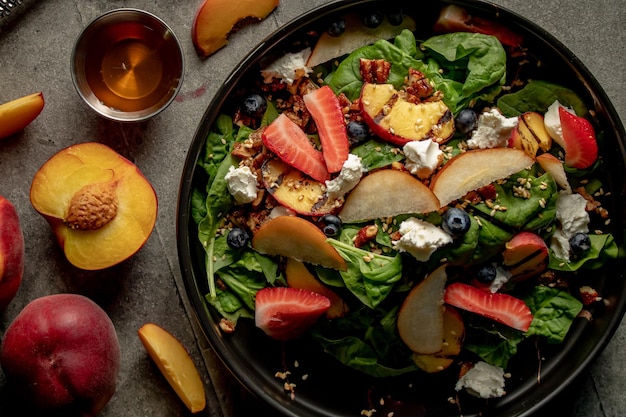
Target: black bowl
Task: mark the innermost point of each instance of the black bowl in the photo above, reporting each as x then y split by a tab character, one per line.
333	390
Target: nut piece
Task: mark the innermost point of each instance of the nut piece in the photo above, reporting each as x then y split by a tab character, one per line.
92	207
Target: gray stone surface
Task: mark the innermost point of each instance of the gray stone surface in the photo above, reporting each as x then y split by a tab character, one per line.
35	53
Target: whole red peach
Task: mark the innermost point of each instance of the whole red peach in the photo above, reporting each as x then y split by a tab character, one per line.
62	355
11	252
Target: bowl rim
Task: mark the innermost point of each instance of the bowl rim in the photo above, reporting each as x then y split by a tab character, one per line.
200	309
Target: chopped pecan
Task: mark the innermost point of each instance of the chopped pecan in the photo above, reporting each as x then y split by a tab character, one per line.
593	204
418	86
365	235
374	70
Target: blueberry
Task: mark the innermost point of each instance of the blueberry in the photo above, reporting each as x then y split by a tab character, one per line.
373	19
465	121
358	132
237	238
580	244
330	225
336	28
254	105
486	274
395	16
456	221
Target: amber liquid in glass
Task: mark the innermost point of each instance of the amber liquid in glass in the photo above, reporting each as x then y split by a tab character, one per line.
129	67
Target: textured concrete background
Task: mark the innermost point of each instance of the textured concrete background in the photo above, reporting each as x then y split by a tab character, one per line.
35	53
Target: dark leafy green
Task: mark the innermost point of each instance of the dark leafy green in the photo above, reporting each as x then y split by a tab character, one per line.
554	311
538	96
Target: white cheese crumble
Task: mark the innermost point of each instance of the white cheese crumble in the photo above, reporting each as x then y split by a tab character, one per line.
552	122
483	380
502	277
349	176
493	130
572	218
241	183
420	238
422	157
288	68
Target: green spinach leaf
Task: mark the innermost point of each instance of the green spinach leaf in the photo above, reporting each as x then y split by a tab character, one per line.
553	310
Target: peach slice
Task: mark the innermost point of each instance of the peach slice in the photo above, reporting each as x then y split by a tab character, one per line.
11	252
553	166
356	35
298	276
453	335
530	135
15	115
421	316
525	255
472	170
297	238
387	193
215	20
174	362
100	206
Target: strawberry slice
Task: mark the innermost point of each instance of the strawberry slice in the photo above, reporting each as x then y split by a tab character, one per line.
285	313
287	140
324	106
581	148
502	308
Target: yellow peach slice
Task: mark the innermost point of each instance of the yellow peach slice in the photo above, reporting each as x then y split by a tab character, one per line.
15	115
215	20
175	364
100	206
297	238
387	193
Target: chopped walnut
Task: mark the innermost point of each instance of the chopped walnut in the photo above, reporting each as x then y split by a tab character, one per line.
374	70
227	326
92	207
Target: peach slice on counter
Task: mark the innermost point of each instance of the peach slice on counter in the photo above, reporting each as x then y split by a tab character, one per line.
474	169
387	193
101	208
11	252
298	276
174	362
15	115
297	238
215	20
295	190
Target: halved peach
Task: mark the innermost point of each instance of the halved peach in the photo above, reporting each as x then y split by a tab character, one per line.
298	276
215	20
174	362
101	208
387	193
16	114
295	190
297	238
453	335
474	169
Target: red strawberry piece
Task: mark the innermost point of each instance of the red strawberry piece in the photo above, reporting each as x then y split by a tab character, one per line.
581	148
287	140
502	308
285	313
324	106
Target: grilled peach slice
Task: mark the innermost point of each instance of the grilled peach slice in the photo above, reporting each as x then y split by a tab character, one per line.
387	193
530	135
525	255
15	115
297	238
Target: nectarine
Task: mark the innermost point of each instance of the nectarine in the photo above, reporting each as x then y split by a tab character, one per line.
15	115
61	355
11	252
101	208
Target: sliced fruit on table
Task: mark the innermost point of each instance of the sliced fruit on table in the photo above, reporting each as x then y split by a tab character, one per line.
530	135
326	111
553	166
285	313
174	362
287	140
579	138
16	114
298	276
499	307
297	238
294	190
453	336
11	252
355	36
421	316
475	169
399	121
387	193
101	208
525	255
216	20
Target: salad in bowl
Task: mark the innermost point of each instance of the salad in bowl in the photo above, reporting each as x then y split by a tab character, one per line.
414	205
